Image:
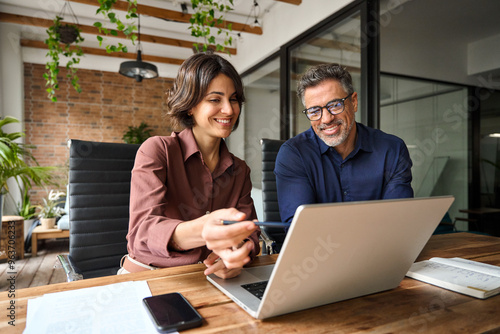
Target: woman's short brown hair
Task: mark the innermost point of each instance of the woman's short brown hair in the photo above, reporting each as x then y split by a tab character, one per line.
191	85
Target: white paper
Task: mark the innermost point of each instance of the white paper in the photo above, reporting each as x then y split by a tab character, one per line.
465	276
114	308
480	267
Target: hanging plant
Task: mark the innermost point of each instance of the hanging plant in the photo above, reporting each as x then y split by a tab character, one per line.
59	44
68	33
64	39
106	9
209	13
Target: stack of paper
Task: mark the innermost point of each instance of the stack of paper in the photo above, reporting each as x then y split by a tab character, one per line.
114	308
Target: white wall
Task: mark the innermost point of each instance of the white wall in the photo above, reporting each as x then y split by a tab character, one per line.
483	55
11	93
11	72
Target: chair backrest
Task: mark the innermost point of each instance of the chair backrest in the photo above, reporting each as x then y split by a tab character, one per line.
270	148
99	192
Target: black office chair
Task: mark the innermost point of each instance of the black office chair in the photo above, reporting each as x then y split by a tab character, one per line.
99	193
273	237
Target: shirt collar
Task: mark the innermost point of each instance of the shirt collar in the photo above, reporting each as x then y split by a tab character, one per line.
363	143
188	143
190	147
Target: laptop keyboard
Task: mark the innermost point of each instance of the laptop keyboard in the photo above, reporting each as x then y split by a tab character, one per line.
256	289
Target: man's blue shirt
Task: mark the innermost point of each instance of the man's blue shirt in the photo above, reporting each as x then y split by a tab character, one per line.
309	171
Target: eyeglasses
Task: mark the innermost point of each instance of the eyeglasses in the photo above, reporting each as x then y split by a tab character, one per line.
334	107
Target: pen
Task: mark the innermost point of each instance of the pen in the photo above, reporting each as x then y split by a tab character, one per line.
266	224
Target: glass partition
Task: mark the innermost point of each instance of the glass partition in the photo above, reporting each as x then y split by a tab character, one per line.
432	120
490	149
260	116
340	44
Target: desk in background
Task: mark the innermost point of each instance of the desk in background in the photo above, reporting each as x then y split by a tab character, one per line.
412	307
39	233
487	219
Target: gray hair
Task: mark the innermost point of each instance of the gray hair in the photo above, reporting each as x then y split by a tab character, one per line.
319	73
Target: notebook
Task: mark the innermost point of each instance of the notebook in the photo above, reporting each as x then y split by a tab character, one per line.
338	251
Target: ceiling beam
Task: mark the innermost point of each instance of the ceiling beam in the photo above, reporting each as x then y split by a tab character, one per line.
173	15
334	44
292	2
101	52
44	23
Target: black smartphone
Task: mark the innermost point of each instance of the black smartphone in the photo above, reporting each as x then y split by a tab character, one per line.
172	312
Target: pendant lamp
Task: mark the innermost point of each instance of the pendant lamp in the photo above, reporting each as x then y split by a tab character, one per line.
138	69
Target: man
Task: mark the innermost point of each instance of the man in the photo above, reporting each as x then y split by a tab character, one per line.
338	159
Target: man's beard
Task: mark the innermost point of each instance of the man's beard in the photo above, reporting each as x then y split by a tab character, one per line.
338	138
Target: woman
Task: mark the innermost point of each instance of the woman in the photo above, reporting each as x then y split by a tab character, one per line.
183	185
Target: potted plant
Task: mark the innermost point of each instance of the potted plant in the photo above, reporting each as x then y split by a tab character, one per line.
50	209
64	40
26	210
203	21
59	44
68	33
14	159
137	134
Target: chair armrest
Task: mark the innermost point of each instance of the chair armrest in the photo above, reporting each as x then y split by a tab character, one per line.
270	244
72	272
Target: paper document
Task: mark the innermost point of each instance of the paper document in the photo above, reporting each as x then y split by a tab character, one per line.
469	277
115	308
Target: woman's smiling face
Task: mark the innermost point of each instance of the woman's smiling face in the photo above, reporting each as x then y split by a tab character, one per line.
218	111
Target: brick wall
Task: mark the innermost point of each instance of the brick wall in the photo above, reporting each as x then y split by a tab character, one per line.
108	104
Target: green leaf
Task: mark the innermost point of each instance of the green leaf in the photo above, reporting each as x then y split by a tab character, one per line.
128	31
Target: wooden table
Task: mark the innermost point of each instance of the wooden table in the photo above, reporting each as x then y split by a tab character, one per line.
412	307
39	233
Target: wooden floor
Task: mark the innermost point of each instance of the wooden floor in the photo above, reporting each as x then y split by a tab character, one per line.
39	270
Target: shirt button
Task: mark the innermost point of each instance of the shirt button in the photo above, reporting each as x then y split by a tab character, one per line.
345	193
207	213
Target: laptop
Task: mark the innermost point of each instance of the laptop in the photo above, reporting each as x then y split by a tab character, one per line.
338	251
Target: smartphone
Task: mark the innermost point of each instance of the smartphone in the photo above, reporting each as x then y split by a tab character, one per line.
172	312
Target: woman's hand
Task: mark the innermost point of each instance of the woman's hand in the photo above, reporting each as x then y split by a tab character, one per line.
226	242
217	267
